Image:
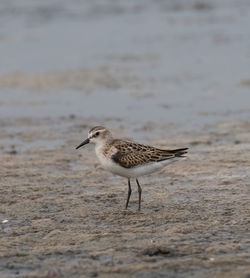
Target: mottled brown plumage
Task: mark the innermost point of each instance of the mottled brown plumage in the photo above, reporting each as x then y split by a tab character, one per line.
131	154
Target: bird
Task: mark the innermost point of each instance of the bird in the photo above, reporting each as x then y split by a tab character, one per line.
129	159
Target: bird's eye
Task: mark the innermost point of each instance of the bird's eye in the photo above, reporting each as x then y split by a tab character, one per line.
97	133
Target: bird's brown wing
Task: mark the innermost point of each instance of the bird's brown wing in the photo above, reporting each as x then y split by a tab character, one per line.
130	154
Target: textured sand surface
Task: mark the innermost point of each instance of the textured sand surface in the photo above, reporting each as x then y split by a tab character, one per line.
66	214
168	73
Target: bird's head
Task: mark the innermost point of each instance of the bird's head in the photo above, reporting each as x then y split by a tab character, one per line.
97	135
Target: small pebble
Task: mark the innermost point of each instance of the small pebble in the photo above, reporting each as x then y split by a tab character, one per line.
5	221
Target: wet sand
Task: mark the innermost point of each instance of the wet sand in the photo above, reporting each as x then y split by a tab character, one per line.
170	75
66	215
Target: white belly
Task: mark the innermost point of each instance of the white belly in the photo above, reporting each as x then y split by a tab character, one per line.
134	172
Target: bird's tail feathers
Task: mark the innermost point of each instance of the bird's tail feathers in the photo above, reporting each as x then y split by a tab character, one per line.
179	152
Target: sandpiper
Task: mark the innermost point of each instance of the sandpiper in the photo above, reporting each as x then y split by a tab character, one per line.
129	159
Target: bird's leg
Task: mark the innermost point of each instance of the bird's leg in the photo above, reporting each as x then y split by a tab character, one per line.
139	191
129	193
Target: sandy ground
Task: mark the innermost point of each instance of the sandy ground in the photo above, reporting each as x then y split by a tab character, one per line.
66	215
168	73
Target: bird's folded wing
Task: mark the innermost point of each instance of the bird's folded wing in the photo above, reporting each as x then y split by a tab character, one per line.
133	159
131	154
128	146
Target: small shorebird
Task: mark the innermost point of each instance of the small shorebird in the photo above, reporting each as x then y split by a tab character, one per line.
129	159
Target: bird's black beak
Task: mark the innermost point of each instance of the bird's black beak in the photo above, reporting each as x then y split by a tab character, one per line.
83	143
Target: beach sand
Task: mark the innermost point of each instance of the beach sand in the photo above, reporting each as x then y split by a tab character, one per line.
167	75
